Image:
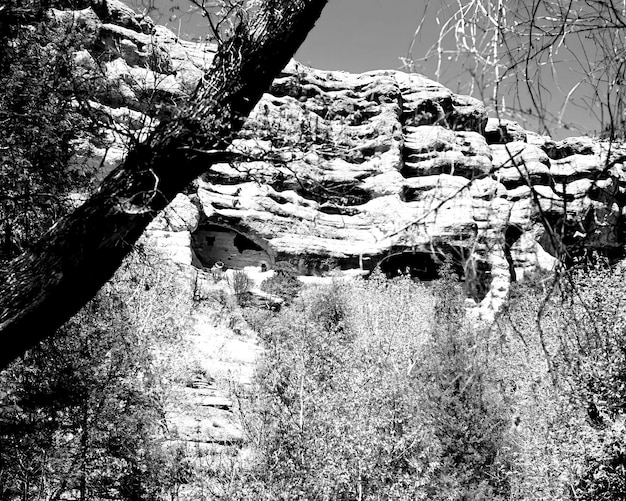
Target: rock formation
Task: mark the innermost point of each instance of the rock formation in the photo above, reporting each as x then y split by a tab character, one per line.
336	170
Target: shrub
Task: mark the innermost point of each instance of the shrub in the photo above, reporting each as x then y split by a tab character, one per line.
363	396
284	283
591	362
460	404
241	284
40	124
83	414
565	369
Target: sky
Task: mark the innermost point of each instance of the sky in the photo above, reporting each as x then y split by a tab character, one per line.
358	36
351	35
362	35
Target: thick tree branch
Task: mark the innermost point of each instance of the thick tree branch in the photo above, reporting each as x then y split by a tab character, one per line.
43	288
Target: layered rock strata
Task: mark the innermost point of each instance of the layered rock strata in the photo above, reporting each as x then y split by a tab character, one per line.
337	170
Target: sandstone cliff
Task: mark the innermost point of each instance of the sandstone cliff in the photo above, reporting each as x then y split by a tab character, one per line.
383	169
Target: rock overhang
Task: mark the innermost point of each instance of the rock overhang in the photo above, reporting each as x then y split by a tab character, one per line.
358	168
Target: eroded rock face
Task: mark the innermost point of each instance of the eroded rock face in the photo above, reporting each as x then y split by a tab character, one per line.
348	170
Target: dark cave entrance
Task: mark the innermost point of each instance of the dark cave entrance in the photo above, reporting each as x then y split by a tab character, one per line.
214	243
426	266
511	236
423	266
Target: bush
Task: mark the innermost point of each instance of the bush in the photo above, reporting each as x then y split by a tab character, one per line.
363	396
40	125
564	367
241	284
82	416
284	283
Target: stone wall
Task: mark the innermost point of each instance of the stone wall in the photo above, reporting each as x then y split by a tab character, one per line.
213	244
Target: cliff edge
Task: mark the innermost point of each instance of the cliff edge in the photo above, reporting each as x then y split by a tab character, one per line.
356	172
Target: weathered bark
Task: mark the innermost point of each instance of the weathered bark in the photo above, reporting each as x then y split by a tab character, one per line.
43	288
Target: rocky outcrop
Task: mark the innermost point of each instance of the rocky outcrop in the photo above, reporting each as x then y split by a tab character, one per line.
349	171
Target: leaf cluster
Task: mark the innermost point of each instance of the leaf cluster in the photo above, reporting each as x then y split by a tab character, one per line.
363	396
40	123
83	415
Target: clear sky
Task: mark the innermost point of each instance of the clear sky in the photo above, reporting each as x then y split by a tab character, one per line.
351	35
357	36
362	35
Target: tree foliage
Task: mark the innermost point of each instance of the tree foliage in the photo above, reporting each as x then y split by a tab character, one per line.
41	122
365	392
563	372
381	389
83	414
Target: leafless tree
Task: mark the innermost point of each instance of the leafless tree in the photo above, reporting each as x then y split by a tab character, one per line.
537	58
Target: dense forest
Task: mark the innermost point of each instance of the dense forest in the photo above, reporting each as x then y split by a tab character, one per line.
378	388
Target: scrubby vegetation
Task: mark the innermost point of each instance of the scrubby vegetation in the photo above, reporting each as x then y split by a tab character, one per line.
382	389
284	284
375	390
563	367
368	389
41	124
82	416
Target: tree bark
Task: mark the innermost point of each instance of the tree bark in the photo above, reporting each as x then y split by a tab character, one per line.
44	287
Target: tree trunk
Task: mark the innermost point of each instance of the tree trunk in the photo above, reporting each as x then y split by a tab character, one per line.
44	287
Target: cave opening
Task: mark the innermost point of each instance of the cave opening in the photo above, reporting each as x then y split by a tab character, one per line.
213	244
424	266
511	235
